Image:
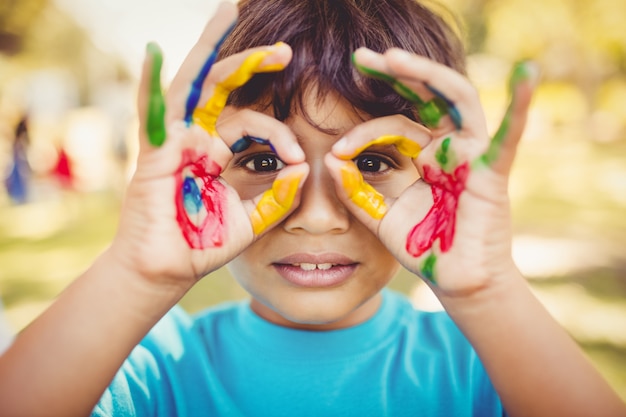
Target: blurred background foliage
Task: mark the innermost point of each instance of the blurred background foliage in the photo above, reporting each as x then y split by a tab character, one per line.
69	69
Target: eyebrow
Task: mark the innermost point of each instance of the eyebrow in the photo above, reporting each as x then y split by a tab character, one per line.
329	132
392	149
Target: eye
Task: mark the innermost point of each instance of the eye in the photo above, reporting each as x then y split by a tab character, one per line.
372	163
265	162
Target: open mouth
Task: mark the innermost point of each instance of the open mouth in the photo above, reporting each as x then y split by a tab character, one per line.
312	275
311	267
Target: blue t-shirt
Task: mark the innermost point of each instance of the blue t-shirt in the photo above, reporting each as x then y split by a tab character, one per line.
227	361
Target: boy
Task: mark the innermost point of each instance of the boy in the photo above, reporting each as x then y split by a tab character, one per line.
314	183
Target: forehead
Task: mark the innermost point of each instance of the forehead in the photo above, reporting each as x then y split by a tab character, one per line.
329	112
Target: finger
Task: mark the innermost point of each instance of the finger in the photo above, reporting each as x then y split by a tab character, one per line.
407	136
443	81
503	146
254	62
186	86
277	202
357	190
430	109
151	104
240	128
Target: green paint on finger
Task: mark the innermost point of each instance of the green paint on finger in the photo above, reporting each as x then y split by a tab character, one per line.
428	268
398	87
522	72
155	124
445	157
430	112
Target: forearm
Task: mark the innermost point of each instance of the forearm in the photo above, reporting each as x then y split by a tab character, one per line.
536	367
64	360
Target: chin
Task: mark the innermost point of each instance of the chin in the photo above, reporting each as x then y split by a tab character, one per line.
310	317
316	311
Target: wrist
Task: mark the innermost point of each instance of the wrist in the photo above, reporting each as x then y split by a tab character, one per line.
144	287
492	294
167	267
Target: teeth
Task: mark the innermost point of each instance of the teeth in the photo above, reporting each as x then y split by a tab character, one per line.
308	267
311	267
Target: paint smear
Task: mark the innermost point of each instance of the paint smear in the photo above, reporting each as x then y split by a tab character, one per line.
155	122
522	72
206	117
198	82
200	201
439	222
448	105
361	193
246	141
430	112
275	202
404	145
446	159
428	267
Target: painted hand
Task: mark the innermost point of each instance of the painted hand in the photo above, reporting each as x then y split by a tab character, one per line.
181	219
451	227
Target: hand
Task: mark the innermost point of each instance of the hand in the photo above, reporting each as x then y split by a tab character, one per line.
451	227
181	220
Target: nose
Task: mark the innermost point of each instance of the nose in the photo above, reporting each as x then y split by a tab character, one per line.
320	210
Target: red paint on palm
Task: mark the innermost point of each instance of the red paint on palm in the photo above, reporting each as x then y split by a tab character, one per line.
440	221
204	227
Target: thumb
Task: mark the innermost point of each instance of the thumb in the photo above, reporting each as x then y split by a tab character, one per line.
277	202
501	152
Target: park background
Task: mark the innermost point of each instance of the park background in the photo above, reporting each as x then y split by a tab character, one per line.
71	66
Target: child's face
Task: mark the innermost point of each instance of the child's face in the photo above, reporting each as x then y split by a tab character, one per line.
319	268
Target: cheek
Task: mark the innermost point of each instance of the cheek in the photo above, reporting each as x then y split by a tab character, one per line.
399	182
246	189
248	265
380	260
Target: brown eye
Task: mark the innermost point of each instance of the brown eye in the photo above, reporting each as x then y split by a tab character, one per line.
371	163
263	163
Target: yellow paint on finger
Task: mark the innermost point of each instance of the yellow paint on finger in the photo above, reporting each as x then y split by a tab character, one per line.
361	193
275	202
404	145
206	117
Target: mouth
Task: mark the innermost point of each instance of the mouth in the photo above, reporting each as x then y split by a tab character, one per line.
316	271
312	267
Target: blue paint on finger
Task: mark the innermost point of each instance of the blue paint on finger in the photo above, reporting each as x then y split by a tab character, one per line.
196	85
244	143
448	106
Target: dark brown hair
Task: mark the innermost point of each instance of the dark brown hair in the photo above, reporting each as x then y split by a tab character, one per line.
323	35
